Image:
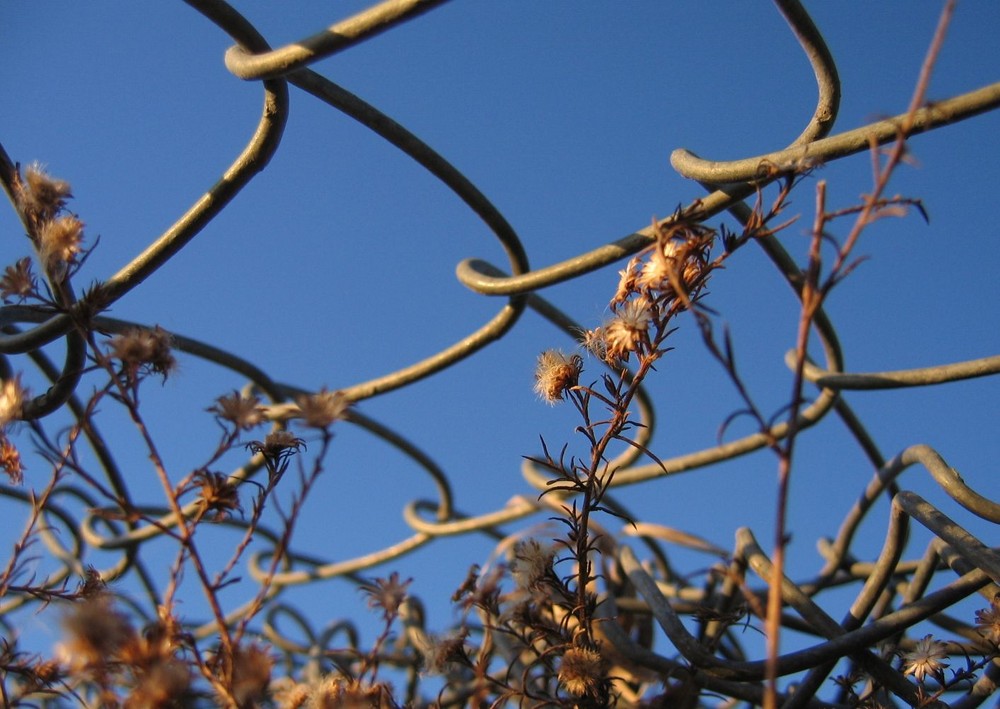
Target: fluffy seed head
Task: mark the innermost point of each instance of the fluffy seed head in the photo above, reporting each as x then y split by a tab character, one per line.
626	281
59	242
139	348
218	496
444	651
532	563
581	670
95	631
17	282
41	196
251	673
164	684
321	409
555	374
387	594
10	461
628	329
12	396
244	412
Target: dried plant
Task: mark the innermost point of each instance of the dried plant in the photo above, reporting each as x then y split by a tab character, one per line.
157	607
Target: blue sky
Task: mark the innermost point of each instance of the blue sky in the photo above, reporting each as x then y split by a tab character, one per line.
336	264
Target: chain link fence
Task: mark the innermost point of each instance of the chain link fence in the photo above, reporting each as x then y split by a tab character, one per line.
605	616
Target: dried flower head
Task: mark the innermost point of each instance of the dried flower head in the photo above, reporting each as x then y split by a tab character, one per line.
96	632
925	659
628	329
244	412
159	678
218	495
144	349
555	374
277	448
163	684
988	621
10	460
251	673
277	444
281	441
92	584
595	342
165	635
12	396
387	594
333	692
676	263
581	671
445	651
18	282
635	314
59	242
40	196
42	675
321	409
289	694
626	281
532	564
656	272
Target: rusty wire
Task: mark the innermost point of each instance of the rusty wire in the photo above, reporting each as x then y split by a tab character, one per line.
971	564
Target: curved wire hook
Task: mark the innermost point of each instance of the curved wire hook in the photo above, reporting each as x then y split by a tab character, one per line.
476	274
940	113
411	145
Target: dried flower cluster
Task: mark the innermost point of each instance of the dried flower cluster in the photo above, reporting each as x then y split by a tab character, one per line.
12	398
655	285
57	237
356	685
58	240
333	692
102	644
530	633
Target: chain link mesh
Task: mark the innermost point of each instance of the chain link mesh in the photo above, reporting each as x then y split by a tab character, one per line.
84	518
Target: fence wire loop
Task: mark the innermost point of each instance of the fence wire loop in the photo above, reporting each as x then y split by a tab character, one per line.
663	630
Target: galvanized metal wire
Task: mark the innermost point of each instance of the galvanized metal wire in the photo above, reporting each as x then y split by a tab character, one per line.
959	562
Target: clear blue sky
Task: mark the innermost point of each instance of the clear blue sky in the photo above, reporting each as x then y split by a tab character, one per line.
336	264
